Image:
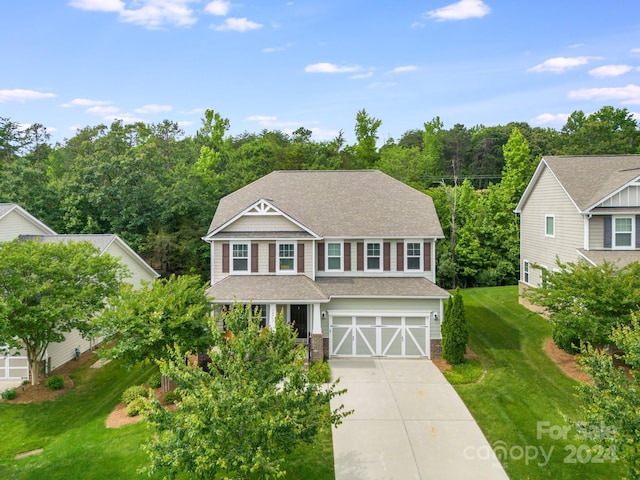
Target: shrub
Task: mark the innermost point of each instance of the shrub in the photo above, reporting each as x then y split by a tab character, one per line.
9	394
155	380
55	383
454	330
132	393
319	372
172	396
136	406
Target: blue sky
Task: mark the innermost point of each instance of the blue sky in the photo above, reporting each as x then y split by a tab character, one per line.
315	63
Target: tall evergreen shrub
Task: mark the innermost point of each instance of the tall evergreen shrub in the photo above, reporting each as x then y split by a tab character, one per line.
454	330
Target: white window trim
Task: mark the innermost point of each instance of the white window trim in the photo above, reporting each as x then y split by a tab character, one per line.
326	257
406	256
366	256
546	234
294	270
231	258
526	272
614	244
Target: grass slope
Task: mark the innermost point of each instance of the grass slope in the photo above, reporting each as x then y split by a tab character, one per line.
521	388
76	443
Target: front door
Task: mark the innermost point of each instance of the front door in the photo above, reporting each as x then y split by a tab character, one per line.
299	320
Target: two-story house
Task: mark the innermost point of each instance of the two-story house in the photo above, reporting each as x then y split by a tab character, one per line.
16	222
579	208
347	256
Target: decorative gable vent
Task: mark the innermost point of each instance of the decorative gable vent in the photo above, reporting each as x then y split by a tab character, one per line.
263	208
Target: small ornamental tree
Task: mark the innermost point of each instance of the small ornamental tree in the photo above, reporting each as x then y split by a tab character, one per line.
454	330
611	405
50	289
254	405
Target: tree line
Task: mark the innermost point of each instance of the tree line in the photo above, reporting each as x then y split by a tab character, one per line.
158	188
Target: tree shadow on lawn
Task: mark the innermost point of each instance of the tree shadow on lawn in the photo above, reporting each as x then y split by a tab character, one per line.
490	330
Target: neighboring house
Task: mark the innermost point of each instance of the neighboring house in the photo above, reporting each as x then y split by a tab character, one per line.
347	256
579	208
15	222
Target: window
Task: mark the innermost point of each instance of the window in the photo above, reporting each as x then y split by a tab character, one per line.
414	256
286	257
525	272
240	257
623	232
260	311
334	256
549	225
373	256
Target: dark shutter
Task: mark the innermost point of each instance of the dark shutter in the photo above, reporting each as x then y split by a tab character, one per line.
347	257
607	231
637	231
300	257
272	257
360	253
386	250
400	256
254	258
427	256
321	256
225	258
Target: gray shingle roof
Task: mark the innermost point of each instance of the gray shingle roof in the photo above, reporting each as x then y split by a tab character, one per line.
415	287
591	178
620	257
354	203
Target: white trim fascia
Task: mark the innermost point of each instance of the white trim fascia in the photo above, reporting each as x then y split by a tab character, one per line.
586	231
615	192
209	236
27	216
270	302
586	258
137	258
531	185
426	238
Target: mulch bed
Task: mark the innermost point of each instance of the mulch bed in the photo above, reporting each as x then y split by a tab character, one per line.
568	363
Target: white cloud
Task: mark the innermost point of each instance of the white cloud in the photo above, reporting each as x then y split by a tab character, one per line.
629	94
634	51
21	95
218	7
460	11
153	108
324	67
99	5
610	71
323	134
84	102
550	118
124	117
360	76
237	25
560	64
185	123
102	110
281	48
405	68
417	25
576	45
149	13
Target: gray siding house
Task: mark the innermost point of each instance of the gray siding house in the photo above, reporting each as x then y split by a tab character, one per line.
579	208
346	256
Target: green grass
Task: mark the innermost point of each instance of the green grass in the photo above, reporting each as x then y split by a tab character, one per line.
469	371
521	388
76	443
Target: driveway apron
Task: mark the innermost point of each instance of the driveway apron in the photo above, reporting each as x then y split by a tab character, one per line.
408	423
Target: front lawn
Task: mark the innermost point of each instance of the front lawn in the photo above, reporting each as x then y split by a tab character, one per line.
76	444
525	404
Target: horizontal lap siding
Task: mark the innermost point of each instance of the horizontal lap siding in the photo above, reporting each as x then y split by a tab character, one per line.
138	272
548	197
266	223
596	232
13	224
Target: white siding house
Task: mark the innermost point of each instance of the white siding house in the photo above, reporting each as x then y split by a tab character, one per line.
347	256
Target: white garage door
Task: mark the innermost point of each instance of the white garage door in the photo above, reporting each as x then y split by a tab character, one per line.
379	335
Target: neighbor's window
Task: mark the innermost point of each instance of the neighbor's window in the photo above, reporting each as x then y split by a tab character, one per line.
549	226
286	257
260	311
334	256
240	257
525	272
623	233
414	256
373	256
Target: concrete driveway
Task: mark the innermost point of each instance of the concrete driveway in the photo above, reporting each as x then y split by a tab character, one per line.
409	423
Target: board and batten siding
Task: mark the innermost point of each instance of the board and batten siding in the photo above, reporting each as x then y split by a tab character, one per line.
628	197
13	225
548	198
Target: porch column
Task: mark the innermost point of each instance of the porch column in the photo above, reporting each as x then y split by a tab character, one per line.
271	315
316	346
